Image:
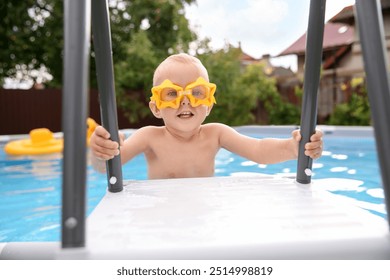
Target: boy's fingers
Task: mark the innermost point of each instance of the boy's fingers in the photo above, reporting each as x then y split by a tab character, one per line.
102	132
102	147
313	153
106	144
104	153
316	136
313	145
313	149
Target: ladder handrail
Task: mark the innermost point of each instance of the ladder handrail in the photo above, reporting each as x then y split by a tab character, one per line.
77	22
105	77
371	31
313	59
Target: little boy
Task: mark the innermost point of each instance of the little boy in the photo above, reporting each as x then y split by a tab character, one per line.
183	97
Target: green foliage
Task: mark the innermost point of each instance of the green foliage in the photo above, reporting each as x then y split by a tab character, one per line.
31	37
354	112
135	72
277	110
357	110
232	107
163	22
298	92
241	90
31	33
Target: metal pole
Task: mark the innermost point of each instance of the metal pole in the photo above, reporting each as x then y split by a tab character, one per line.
313	60
74	115
105	76
371	31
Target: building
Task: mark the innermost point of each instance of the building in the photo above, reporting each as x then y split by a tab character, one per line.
285	78
342	57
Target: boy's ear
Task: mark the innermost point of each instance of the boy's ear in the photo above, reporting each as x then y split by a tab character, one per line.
209	109
156	112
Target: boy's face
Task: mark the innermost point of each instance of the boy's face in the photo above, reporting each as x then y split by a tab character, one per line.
186	117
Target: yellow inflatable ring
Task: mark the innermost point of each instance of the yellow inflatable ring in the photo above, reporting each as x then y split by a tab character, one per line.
41	141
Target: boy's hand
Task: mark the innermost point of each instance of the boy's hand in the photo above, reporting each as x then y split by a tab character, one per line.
102	147
313	149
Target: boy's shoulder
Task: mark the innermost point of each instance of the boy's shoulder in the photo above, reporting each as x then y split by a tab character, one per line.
215	129
215	126
147	132
150	129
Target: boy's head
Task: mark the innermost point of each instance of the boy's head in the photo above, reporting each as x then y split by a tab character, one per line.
182	94
181	69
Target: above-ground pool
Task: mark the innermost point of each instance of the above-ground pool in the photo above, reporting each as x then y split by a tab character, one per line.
30	186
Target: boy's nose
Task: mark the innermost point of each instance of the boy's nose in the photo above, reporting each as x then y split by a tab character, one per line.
185	101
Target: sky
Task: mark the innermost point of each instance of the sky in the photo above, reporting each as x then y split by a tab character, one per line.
261	26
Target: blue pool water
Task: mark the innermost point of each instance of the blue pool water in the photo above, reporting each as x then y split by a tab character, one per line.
30	186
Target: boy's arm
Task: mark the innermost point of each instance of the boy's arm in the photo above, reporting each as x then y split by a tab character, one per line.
137	143
268	150
103	149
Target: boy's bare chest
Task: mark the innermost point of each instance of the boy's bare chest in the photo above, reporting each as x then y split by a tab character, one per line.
185	152
192	159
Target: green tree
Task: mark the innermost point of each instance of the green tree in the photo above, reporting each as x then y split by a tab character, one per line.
135	72
243	90
31	38
224	69
31	33
277	111
356	111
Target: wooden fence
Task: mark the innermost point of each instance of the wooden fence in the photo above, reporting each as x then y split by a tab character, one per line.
24	110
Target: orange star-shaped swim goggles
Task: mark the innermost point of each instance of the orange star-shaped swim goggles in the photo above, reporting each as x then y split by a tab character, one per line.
167	94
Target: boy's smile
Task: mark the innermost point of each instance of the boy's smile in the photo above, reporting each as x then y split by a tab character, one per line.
185	115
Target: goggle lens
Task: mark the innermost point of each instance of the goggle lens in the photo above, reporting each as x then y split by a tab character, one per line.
168	94
200	92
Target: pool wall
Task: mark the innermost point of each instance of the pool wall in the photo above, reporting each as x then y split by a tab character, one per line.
339	131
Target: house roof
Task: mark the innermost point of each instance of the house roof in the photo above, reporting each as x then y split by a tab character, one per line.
335	35
246	57
282	72
345	16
